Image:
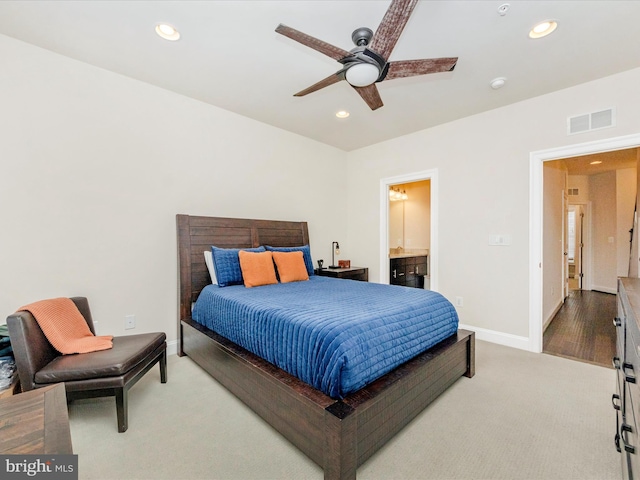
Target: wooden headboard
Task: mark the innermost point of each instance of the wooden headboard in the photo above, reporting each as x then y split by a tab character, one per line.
197	234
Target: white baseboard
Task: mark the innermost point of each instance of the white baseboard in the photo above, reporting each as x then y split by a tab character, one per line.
551	317
597	288
172	347
506	339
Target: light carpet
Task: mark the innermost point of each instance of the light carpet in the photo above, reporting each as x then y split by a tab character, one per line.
522	416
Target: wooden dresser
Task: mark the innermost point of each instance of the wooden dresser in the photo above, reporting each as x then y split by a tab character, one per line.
626	400
35	422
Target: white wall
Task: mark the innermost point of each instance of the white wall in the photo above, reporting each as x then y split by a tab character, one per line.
581	182
604	230
483	164
613	198
555	181
396	224
625	202
633	266
418	215
410	220
94	167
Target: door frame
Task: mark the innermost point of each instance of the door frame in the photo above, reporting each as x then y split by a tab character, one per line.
565	239
385	183
536	198
586	260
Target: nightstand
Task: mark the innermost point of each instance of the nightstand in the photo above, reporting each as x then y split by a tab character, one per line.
352	273
36	422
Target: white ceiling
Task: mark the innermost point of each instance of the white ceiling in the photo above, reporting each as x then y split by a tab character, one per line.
230	56
614	160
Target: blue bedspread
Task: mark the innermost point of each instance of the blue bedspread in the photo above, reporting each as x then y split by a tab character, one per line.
336	335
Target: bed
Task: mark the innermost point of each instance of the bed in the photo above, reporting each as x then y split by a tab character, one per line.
337	434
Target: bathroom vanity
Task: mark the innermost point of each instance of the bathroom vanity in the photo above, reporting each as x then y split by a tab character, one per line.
409	269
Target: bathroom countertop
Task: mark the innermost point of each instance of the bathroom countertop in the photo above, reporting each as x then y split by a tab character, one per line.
407	253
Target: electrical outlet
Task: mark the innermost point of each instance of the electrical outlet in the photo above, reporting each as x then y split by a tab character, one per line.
129	322
459	302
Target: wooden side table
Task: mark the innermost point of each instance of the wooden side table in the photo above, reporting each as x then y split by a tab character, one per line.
35	422
351	273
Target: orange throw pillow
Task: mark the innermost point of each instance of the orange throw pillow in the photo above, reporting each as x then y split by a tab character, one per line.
257	268
291	267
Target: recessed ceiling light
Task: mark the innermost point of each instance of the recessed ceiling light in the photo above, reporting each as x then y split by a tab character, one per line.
543	29
595	162
497	83
168	32
342	114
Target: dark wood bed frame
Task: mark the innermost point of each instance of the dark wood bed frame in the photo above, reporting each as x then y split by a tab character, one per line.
338	435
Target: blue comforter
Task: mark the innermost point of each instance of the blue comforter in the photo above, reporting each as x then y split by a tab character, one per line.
336	335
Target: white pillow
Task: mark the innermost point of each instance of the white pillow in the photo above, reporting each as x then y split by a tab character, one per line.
208	259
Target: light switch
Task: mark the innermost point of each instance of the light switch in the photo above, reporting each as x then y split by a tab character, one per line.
499	240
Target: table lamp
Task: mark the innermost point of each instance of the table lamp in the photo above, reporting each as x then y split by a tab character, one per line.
335	249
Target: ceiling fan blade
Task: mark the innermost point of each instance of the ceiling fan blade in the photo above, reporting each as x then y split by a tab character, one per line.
330	80
411	68
370	95
391	27
318	45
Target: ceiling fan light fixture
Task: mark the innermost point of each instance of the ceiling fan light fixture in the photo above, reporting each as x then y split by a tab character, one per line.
168	32
368	63
543	29
362	74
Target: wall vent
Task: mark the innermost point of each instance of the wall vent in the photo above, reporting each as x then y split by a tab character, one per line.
573	191
591	121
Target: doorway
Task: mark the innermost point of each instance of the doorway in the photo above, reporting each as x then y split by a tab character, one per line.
410	216
410	234
579	325
577	226
537	161
403	236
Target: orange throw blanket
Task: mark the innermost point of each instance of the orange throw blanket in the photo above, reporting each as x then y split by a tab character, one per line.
65	327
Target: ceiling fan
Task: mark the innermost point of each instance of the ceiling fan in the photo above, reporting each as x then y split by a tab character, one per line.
367	64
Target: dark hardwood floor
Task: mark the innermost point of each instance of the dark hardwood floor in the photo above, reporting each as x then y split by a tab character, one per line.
583	328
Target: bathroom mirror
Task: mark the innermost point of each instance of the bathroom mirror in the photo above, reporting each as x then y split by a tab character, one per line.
410	217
